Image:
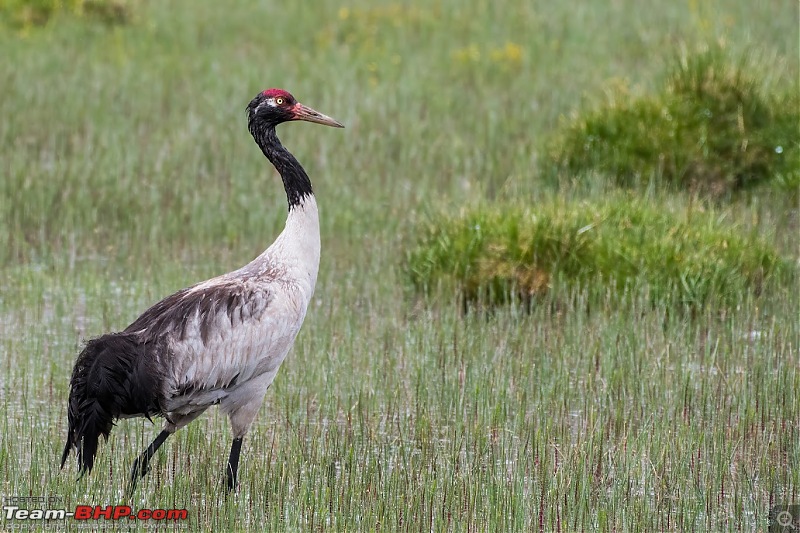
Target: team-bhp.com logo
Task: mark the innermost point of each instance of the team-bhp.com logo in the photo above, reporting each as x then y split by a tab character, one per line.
28	510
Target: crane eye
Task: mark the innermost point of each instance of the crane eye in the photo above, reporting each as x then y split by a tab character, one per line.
279	100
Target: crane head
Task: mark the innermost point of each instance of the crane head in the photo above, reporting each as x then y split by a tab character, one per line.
275	106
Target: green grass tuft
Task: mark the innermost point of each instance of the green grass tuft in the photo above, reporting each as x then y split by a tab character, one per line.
497	253
713	128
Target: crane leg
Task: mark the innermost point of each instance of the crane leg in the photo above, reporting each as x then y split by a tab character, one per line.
142	463
233	463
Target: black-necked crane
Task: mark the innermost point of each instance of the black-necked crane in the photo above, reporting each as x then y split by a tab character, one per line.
219	342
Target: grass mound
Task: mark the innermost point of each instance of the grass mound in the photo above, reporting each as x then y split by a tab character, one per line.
712	129
494	254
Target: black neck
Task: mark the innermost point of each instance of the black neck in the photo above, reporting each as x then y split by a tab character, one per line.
295	179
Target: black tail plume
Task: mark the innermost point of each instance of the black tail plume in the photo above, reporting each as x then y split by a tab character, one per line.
115	375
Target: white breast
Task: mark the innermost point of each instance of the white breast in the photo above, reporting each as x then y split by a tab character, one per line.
223	349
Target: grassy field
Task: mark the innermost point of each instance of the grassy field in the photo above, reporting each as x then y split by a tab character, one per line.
127	172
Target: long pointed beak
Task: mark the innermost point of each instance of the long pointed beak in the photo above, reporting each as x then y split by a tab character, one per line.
302	112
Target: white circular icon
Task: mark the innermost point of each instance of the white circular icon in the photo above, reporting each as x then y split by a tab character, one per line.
784	519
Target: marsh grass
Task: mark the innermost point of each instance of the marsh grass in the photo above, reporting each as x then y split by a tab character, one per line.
26	15
713	128
126	173
497	253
